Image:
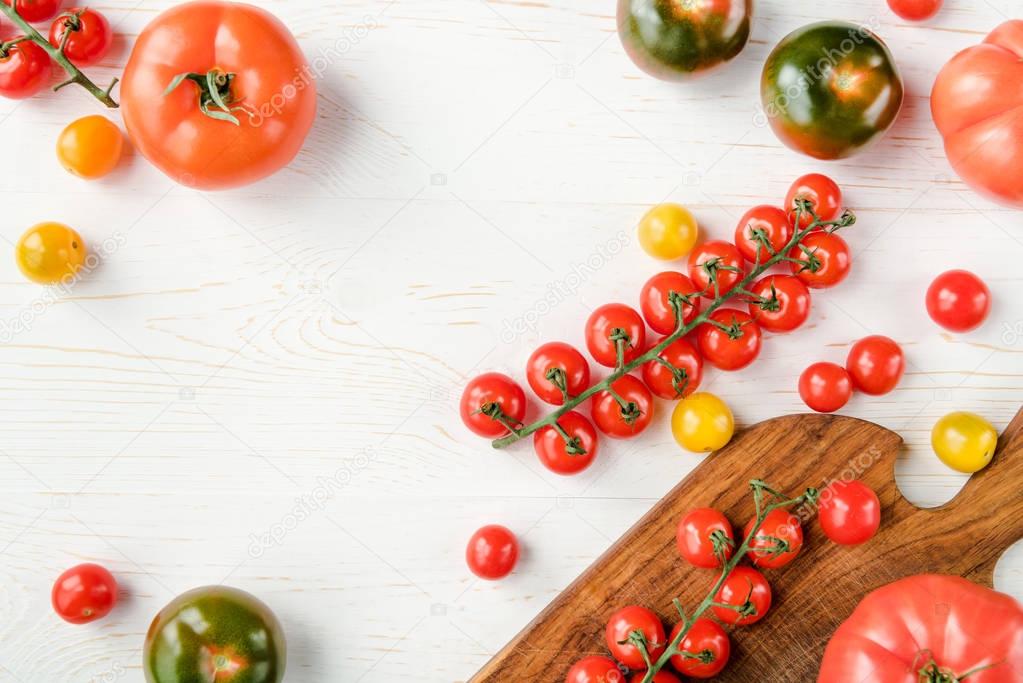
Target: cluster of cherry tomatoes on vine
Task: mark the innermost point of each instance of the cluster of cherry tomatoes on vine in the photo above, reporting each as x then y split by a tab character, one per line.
849	513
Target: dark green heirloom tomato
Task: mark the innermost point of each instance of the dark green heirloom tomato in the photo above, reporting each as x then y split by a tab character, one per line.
677	39
214	634
830	89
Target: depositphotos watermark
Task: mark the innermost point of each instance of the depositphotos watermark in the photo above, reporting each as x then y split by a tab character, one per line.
1012	333
310	503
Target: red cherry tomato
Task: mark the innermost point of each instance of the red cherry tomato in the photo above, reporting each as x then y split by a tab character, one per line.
619	422
625	622
876	364
779	524
88	35
657	310
822	192
705	635
595	670
694	537
24	70
575	372
787	303
84	593
723	259
958	300
744	585
662	676
826	260
553	451
825	387
915	10
849	512
34	11
769	221
482	394
734	349
492	553
662	381
601	326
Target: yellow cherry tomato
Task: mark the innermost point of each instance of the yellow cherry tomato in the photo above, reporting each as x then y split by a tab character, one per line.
668	232
49	252
90	147
964	441
702	423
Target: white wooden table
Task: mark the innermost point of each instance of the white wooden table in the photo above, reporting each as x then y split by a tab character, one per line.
259	387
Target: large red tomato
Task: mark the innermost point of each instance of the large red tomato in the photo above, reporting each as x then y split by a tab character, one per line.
977	105
233	57
947	623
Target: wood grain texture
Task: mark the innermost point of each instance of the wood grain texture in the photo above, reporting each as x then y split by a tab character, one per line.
812	596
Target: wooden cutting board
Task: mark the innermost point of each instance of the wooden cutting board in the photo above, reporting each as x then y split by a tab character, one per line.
814	594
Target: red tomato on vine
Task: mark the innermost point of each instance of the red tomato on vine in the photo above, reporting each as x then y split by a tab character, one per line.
822	192
705	636
612	325
779	525
667	382
655	304
730	339
759	224
488	396
825	258
623	624
24	69
720	258
784	303
554	366
34	11
626	421
85	35
747	589
696	535
560	456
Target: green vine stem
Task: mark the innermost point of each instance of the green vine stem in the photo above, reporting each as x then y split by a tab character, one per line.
75	75
742	288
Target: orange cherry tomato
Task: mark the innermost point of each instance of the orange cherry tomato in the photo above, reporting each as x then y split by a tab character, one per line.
90	147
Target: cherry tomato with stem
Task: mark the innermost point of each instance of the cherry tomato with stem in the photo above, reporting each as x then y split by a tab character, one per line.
705	536
824	258
825	387
779	525
85	35
730	339
823	193
705	636
915	10
958	300
655	301
24	68
716	259
50	253
702	423
492	553
84	593
624	628
876	364
34	11
90	147
571	455
668	232
625	410
595	670
492	402
762	224
556	368
783	304
849	512
612	326
670	382
746	589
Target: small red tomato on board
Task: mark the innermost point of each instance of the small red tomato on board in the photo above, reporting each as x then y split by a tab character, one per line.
623	422
608	321
958	300
661	380
781	525
623	624
574	372
705	636
657	309
876	364
34	11
915	10
849	512
822	192
720	258
732	348
85	35
554	451
24	70
661	676
825	387
770	223
696	534
595	670
486	394
84	593
825	257
744	585
784	303
492	553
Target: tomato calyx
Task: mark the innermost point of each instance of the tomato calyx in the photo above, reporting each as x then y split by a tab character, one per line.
72	22
623	342
715	266
215	97
630	410
637	639
5	48
932	673
494	411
